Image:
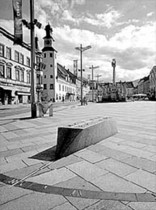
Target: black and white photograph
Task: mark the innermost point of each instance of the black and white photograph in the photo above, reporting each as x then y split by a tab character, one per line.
77	104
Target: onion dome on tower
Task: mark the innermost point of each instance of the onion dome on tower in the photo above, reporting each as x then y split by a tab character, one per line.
48	39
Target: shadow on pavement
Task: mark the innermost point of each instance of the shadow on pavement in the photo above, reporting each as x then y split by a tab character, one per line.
26	118
47	155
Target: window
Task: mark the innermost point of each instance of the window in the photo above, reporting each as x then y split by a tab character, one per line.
28	61
28	77
51	76
16	56
62	87
8	53
8	72
17	75
45	86
51	65
59	87
44	55
2	74
44	76
51	54
37	59
51	86
2	50
22	76
21	58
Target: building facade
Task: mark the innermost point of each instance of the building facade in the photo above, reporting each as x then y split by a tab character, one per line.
152	83
59	84
144	86
15	70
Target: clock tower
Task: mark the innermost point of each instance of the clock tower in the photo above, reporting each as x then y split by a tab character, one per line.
48	38
50	71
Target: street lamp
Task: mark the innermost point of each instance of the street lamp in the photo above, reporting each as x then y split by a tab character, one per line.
82	49
93	67
113	65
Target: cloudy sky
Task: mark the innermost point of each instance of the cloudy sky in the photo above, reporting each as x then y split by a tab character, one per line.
120	29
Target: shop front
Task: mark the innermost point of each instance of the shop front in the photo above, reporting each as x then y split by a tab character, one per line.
14	95
5	95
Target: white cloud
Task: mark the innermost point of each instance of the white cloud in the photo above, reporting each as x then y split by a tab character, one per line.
150	14
109	18
136	37
106	19
133	47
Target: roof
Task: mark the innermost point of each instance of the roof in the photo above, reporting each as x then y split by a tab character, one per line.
129	85
48	49
61	71
135	83
144	79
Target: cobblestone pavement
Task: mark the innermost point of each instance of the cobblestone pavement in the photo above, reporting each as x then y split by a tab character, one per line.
118	173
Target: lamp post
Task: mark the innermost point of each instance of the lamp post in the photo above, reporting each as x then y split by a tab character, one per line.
82	49
31	26
33	104
93	67
113	65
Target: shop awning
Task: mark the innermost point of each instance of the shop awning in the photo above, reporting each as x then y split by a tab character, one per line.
5	87
23	93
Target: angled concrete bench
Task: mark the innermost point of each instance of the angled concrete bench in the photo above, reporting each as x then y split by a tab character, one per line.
83	134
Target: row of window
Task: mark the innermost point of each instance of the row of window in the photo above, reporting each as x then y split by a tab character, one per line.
19	74
51	76
18	57
50	55
51	86
65	88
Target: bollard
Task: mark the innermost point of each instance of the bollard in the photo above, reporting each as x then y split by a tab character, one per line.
40	108
51	110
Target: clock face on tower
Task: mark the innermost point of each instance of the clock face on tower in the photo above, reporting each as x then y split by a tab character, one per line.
48	42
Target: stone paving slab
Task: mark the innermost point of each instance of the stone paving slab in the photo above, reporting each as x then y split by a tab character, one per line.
35	201
108	205
90	156
91	173
11	193
116	167
112	183
23	172
81	203
53	177
64	206
141	163
144	179
143	206
11	166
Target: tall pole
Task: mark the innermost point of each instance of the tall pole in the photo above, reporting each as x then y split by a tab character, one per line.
113	65
92	84
33	104
82	49
93	67
114	75
81	74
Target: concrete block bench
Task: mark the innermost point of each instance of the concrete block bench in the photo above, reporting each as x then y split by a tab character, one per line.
83	134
